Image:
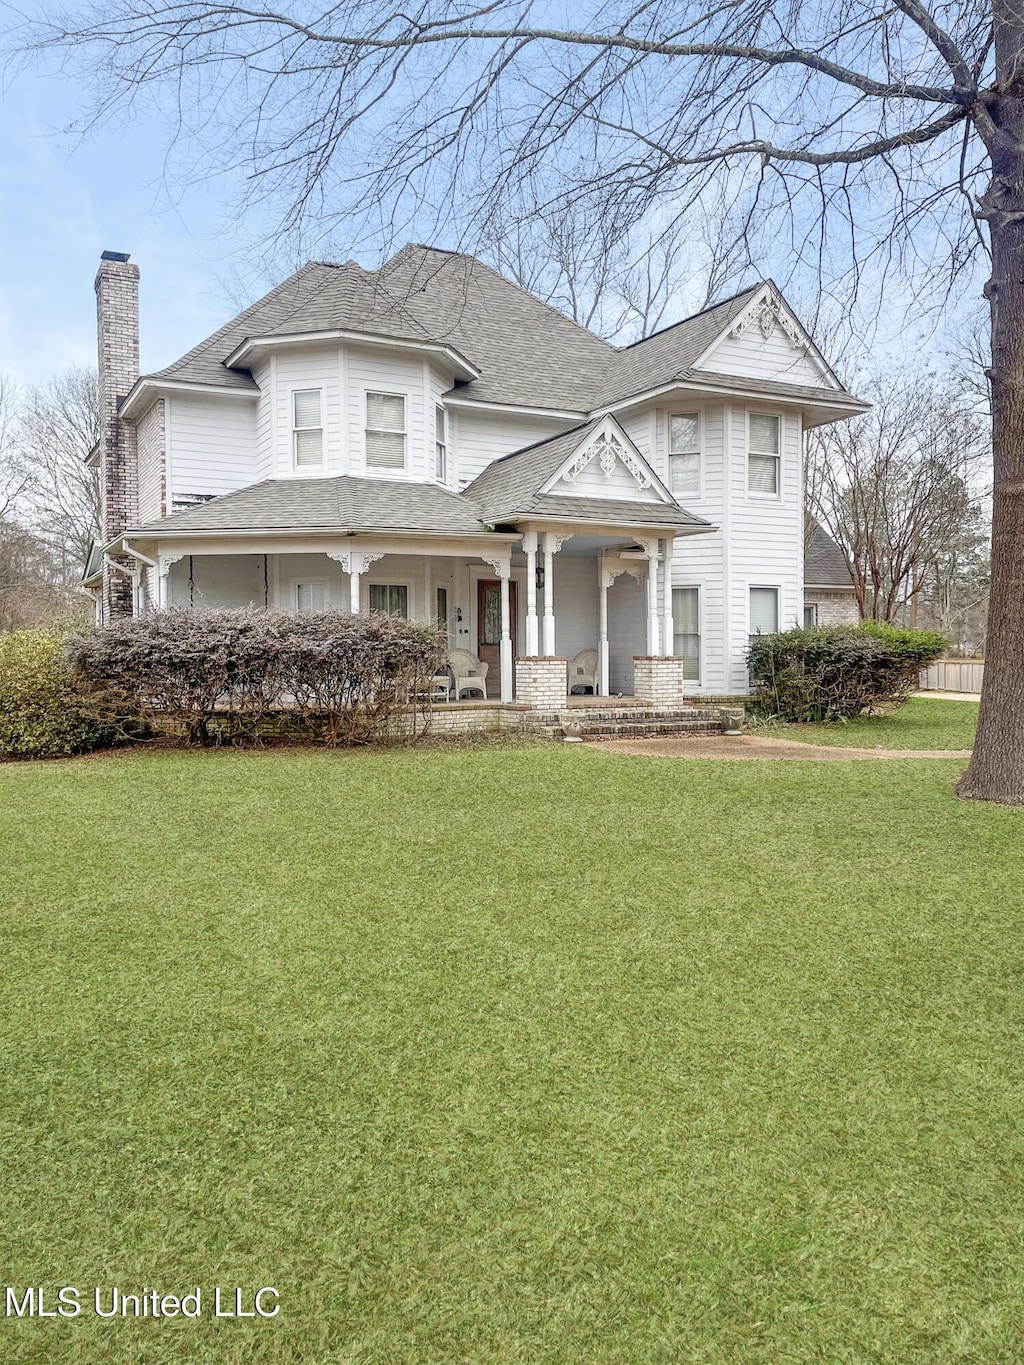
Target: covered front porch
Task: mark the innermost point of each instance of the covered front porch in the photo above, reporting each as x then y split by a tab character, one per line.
550	593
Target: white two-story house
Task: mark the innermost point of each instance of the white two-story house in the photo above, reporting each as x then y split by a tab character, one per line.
432	440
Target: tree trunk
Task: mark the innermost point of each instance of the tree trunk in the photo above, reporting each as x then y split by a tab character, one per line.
996	771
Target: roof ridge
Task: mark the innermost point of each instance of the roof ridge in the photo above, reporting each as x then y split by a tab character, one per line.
233	322
535	298
692	317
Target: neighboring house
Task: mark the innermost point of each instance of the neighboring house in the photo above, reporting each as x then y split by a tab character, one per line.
430	439
830	598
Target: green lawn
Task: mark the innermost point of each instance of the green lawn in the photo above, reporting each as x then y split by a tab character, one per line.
922	723
514	1056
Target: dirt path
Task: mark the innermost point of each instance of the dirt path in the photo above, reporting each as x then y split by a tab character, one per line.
757	747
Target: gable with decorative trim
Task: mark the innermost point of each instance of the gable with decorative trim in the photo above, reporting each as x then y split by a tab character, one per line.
607	464
767	341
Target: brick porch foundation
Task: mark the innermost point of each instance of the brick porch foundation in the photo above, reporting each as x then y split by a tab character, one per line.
541	682
658	679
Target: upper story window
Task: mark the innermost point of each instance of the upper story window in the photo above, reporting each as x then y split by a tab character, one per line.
763	454
440	445
307	429
385	430
684	452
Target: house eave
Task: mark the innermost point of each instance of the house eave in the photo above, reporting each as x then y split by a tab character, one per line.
482	405
151	534
844	405
461	366
539	519
147	390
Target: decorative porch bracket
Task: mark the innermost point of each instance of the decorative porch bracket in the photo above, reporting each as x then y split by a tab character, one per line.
164	564
355	563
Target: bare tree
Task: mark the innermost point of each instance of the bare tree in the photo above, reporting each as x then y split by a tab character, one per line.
624	282
893	488
12	477
57	428
953	594
31	586
863	136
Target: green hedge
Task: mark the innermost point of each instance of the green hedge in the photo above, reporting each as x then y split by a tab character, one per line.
41	705
831	673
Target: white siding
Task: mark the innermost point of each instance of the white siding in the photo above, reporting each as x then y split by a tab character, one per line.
481	437
149	436
774	357
212	445
306	367
218	581
766	537
639	426
266	433
389	371
576	604
627	630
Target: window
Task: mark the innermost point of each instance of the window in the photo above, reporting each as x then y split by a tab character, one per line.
764	611
684	453
490	614
311	596
810	613
307	429
390	598
686	630
441	615
385	430
763	455
440	445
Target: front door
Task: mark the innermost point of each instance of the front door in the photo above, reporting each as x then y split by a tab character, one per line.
488	629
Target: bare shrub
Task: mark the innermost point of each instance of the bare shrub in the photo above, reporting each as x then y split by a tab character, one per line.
199	674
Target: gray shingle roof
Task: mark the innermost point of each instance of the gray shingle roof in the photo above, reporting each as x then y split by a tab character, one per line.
509	489
670	353
527	352
513	481
338	504
608	511
824	562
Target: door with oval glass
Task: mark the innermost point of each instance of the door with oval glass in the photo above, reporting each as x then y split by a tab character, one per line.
488	629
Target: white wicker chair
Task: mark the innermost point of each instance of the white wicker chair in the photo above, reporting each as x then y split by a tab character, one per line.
469	673
583	671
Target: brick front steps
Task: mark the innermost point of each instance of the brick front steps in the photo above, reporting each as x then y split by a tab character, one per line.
625	722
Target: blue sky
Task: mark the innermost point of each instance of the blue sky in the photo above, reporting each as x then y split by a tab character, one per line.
65	200
68	197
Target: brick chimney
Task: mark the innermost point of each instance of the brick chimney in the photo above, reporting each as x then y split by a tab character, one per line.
117	337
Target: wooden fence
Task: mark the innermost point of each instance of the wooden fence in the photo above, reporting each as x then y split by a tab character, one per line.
953	675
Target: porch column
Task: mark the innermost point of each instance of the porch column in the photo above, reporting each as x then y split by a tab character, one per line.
353	583
669	630
504	571
605	580
549	596
653	623
532	634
